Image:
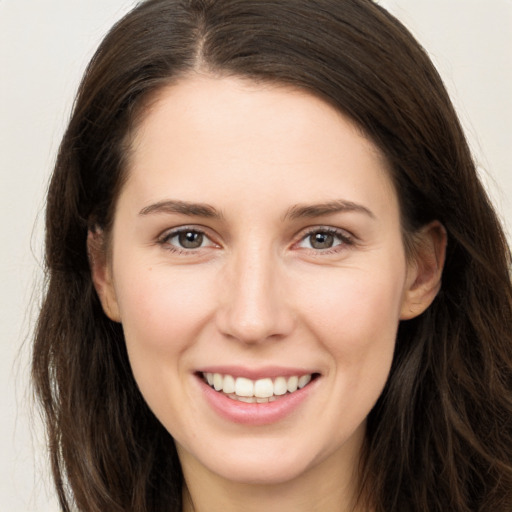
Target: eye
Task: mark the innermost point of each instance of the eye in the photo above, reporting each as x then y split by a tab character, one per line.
186	239
324	238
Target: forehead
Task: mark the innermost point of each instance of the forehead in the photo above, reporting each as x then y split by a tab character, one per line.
230	139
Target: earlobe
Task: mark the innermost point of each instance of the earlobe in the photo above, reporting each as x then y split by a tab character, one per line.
425	270
101	274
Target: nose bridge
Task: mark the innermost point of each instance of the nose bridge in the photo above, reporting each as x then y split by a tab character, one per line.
255	308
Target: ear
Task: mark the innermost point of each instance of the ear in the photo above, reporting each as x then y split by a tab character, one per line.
101	273
425	269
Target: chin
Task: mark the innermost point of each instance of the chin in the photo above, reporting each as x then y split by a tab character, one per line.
260	472
259	461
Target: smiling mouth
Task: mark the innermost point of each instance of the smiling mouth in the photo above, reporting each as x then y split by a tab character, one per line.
259	391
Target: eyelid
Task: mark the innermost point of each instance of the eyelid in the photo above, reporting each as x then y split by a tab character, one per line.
347	239
165	236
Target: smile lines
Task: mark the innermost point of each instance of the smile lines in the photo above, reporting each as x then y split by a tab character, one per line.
255	391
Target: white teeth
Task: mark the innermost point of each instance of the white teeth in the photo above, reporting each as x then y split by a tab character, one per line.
258	391
280	386
244	387
229	384
263	388
303	380
217	381
291	384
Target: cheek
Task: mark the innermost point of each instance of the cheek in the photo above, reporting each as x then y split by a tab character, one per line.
162	314
359	304
356	324
356	315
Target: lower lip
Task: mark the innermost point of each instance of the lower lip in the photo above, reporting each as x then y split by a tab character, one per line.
255	414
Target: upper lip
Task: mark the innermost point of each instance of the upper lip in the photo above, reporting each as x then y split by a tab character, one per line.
257	373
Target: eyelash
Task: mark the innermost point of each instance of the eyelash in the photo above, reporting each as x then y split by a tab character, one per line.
165	238
345	240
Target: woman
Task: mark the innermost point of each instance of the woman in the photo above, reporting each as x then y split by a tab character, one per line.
275	281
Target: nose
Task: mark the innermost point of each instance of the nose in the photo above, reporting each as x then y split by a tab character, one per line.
254	308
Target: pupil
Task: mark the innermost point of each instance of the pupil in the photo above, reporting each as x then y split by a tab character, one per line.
321	240
190	239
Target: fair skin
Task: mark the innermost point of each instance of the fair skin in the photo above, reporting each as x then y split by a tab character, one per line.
258	236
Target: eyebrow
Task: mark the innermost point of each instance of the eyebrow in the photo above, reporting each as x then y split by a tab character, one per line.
182	207
318	210
293	213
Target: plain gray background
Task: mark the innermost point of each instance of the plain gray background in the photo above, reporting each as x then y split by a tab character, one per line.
45	46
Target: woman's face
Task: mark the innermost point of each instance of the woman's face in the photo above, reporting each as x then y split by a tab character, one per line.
257	244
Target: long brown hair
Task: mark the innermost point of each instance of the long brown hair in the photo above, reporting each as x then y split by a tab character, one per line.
440	436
